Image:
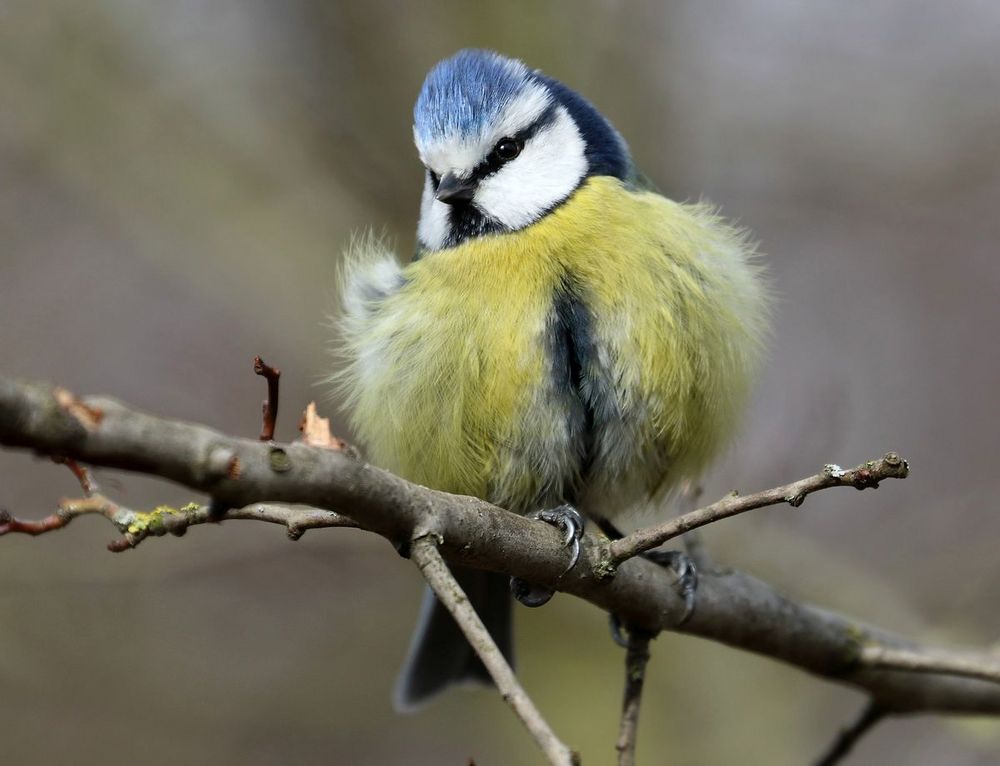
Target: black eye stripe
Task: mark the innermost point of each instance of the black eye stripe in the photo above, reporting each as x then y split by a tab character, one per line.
544	119
492	163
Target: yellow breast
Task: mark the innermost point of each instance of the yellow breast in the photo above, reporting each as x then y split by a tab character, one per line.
451	362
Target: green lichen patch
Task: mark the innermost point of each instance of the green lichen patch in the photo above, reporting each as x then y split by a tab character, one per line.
158	521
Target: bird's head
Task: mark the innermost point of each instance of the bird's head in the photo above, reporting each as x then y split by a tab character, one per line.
503	145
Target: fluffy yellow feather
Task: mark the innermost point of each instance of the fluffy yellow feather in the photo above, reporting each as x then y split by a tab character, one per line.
448	361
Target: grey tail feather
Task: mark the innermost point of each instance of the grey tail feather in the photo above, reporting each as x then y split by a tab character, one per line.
439	655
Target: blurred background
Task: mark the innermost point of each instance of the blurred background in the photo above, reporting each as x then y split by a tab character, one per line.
177	182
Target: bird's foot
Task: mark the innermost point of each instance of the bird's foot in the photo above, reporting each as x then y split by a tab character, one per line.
680	563
687	587
683	567
570	522
620	632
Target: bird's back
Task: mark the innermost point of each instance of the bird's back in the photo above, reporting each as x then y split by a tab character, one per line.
594	357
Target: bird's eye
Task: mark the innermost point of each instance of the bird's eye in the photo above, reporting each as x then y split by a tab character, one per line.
435	178
507	149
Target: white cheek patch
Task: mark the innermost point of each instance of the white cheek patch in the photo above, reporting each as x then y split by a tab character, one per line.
434	226
549	168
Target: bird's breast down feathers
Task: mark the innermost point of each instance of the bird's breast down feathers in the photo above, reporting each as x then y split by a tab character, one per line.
597	356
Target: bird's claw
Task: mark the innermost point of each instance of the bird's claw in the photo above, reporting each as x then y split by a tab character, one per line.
530	594
687	586
621	633
570	522
687	576
616	626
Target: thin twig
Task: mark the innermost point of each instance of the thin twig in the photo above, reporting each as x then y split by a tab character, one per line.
270	405
931	661
636	657
426	556
848	737
890	466
9	524
136	526
82	474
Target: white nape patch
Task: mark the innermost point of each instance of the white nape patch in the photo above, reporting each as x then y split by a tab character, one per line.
547	170
434	226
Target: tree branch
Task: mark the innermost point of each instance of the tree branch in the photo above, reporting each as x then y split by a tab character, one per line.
869	474
732	608
636	657
928	661
425	555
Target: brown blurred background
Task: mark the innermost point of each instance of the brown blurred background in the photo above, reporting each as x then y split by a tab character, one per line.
177	181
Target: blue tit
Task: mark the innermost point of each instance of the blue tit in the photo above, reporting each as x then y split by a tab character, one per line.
563	335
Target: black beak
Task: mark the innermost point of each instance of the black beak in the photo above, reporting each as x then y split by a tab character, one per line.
455	191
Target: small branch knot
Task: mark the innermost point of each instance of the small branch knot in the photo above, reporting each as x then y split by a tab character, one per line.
279	460
796	500
865	479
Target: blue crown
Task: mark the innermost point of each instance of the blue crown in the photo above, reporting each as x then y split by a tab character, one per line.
467	92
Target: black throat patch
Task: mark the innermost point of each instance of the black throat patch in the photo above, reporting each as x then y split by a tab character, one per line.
467	221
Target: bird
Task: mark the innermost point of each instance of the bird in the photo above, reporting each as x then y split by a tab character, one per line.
564	338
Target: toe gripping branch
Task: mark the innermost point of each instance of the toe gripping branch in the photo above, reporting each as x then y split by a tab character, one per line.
687	587
681	564
684	568
569	521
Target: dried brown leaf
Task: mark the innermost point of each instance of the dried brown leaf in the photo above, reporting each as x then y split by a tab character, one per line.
316	430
